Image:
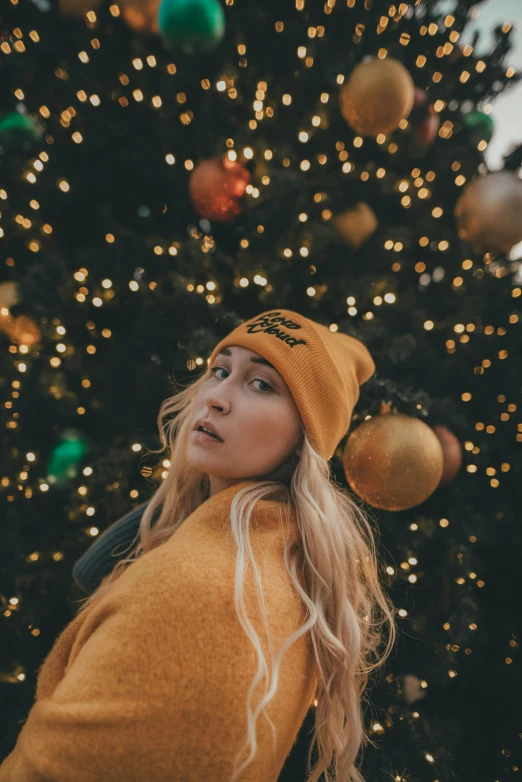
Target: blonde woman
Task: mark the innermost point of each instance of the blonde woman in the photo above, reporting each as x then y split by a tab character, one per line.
253	596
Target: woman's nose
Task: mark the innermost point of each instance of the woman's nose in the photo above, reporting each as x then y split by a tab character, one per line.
217	400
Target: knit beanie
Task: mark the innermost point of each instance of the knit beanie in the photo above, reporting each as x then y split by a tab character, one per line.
322	369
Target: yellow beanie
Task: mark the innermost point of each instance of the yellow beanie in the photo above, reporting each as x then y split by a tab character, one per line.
323	369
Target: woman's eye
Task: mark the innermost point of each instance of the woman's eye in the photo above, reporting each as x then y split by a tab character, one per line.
215	369
259	379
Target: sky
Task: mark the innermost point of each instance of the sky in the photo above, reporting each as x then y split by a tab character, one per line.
506	108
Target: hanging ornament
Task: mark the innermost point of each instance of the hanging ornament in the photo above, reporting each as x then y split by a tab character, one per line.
451	453
429	127
356	225
489	212
377	96
191	26
421	96
217	187
424	124
480	124
18	132
141	15
412	688
66	456
21	330
9	294
393	461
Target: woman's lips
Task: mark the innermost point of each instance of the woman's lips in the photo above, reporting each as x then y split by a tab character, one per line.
203	437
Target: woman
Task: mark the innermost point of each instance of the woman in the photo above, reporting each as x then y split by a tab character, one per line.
158	675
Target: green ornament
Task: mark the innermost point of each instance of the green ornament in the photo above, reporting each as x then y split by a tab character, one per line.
191	26
17	131
480	124
64	460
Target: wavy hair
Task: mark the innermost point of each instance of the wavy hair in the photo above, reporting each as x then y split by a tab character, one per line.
333	566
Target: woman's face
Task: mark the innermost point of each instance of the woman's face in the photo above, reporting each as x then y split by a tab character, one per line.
250	407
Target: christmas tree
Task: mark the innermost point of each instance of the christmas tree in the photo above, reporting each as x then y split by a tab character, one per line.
169	170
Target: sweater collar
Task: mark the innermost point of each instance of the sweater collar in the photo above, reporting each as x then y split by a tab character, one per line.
215	511
227	495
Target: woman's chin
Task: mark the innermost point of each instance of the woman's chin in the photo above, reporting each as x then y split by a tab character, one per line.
207	461
213	461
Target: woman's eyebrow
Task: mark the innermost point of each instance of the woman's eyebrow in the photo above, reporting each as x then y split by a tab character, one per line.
255	359
259	360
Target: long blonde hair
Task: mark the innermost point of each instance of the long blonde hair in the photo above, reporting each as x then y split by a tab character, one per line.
334	568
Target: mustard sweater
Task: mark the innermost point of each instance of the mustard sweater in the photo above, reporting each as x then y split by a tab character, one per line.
149	683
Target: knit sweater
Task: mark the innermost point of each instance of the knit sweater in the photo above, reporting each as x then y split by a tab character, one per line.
150	681
112	545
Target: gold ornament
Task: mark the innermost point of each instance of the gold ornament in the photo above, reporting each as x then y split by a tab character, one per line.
20	330
9	294
412	689
377	96
489	212
356	225
393	461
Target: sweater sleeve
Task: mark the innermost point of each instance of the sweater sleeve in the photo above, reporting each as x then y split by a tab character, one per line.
149	690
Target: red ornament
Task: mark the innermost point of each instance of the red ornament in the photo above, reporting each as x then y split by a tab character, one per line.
428	128
420	98
451	453
217	187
